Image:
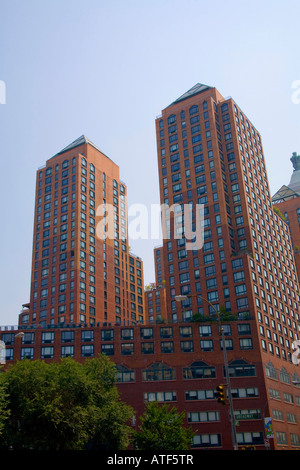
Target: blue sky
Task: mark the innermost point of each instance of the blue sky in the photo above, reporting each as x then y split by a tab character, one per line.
106	69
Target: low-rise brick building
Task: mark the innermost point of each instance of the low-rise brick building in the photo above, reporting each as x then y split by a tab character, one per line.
182	364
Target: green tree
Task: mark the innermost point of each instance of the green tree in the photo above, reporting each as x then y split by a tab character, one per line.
64	405
162	429
4	412
110	413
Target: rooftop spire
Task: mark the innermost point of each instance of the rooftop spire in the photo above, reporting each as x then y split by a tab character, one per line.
77	143
195	90
295	178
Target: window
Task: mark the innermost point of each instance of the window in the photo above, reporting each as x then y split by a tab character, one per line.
209	258
213	296
246	438
146	333
67	336
187	346
171	119
203	416
158	371
250	392
127	333
87	350
295	439
47	352
147	348
107	335
27	353
160	396
28	338
244	329
284	376
67	351
185	331
87	335
193	110
167	347
107	349
205	330
246	343
228	344
206	345
240	289
239	276
206	440
127	349
9	354
124	374
8	338
48	337
242	303
200	395
240	368
199	370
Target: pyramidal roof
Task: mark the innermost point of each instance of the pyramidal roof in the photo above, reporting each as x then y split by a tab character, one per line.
285	192
77	143
195	90
291	190
295	178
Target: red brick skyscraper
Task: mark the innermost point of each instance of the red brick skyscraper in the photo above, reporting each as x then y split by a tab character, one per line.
210	153
287	201
79	275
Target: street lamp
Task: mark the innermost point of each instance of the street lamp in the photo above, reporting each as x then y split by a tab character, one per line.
21	334
179	298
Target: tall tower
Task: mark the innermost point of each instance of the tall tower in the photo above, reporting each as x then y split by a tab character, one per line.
209	153
82	271
287	203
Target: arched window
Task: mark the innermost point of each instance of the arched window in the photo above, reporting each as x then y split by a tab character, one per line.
193	110
158	371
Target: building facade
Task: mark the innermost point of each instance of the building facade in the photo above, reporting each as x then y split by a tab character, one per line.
244	275
159	266
155	303
182	364
210	156
287	203
177	364
82	271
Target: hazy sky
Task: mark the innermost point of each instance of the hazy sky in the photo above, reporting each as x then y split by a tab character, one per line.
106	69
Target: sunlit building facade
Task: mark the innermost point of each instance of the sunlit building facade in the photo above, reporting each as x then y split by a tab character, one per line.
82	270
211	154
243	278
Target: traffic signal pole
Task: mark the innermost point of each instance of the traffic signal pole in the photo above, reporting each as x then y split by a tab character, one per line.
231	413
179	298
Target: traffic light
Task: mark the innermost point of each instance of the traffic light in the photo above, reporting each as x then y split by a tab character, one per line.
221	394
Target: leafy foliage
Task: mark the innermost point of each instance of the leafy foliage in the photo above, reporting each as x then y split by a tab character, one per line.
4	412
162	429
65	406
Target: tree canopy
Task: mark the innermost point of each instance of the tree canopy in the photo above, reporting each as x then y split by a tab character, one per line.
62	405
162	429
4	412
